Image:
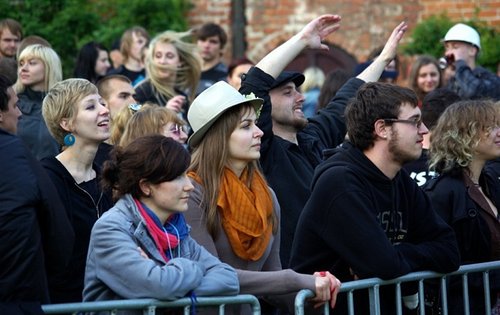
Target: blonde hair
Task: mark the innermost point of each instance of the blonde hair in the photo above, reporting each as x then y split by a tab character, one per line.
51	62
209	159
119	122
314	78
149	120
61	102
187	74
458	132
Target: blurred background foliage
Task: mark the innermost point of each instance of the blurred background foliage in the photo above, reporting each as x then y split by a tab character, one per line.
427	35
69	24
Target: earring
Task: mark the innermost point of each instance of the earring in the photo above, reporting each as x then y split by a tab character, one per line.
69	140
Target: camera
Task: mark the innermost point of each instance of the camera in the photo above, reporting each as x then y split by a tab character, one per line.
446	61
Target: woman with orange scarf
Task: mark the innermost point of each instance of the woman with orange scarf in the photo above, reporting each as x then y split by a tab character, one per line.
232	211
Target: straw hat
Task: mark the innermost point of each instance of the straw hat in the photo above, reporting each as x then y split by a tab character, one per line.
211	104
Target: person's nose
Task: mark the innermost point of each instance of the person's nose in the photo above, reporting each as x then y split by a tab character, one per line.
258	133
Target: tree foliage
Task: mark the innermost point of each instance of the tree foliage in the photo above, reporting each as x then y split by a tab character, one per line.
427	36
69	24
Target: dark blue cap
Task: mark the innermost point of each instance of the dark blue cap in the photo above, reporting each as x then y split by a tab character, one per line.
289	76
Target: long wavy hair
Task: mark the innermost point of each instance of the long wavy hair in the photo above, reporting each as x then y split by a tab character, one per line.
458	132
187	75
209	159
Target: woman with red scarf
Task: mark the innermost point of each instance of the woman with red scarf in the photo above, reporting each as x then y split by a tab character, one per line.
141	247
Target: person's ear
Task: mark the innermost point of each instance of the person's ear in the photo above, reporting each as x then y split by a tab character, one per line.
145	187
65	124
381	129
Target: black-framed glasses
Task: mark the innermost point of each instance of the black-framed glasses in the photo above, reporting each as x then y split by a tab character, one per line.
416	122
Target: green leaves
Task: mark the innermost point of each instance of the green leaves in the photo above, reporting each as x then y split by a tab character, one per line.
69	24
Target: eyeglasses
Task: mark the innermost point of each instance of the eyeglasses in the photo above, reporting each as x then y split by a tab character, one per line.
416	122
176	129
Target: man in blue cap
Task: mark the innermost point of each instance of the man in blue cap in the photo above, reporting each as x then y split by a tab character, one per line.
292	146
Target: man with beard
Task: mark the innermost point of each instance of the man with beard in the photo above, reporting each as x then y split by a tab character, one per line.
292	146
367	218
11	34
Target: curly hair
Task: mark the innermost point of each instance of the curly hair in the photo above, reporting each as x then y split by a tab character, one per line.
458	132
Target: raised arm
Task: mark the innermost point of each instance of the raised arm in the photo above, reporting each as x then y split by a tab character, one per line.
309	37
373	72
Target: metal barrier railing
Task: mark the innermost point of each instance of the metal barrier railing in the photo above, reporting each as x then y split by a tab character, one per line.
149	306
373	286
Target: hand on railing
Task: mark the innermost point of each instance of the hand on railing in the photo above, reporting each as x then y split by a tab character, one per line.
327	288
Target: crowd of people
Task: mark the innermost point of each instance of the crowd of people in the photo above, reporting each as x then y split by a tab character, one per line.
160	172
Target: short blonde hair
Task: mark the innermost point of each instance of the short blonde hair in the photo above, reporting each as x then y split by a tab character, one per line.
150	119
61	102
51	61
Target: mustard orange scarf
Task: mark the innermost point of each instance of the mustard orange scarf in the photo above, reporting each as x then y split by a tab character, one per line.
246	213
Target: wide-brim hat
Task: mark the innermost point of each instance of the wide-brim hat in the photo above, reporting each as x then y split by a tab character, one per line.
289	76
211	104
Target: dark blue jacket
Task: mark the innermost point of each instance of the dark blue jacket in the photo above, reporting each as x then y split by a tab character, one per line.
31	127
34	230
474	84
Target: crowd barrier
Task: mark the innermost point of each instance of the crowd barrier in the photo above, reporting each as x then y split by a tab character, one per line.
149	306
373	286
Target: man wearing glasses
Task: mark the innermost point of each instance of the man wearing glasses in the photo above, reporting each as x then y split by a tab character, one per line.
365	217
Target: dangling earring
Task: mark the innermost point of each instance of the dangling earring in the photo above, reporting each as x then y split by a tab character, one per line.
69	139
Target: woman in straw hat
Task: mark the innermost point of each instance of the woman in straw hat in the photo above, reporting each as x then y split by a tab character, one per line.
233	212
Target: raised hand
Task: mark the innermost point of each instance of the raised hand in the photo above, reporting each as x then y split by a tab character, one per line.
391	46
318	29
176	103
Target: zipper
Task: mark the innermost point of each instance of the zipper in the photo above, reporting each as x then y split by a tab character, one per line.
93	201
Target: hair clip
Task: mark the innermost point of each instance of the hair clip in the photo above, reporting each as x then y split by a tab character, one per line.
134	107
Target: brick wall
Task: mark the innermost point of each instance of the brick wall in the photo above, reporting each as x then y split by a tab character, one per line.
365	24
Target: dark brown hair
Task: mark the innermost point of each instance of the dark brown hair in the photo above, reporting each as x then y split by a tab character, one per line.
154	158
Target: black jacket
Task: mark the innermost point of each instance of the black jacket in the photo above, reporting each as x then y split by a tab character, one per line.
289	168
359	220
462	206
83	203
34	229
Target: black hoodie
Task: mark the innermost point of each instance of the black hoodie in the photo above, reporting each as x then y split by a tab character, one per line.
358	219
84	203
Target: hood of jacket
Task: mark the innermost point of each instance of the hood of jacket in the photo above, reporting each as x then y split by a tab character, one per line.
348	156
